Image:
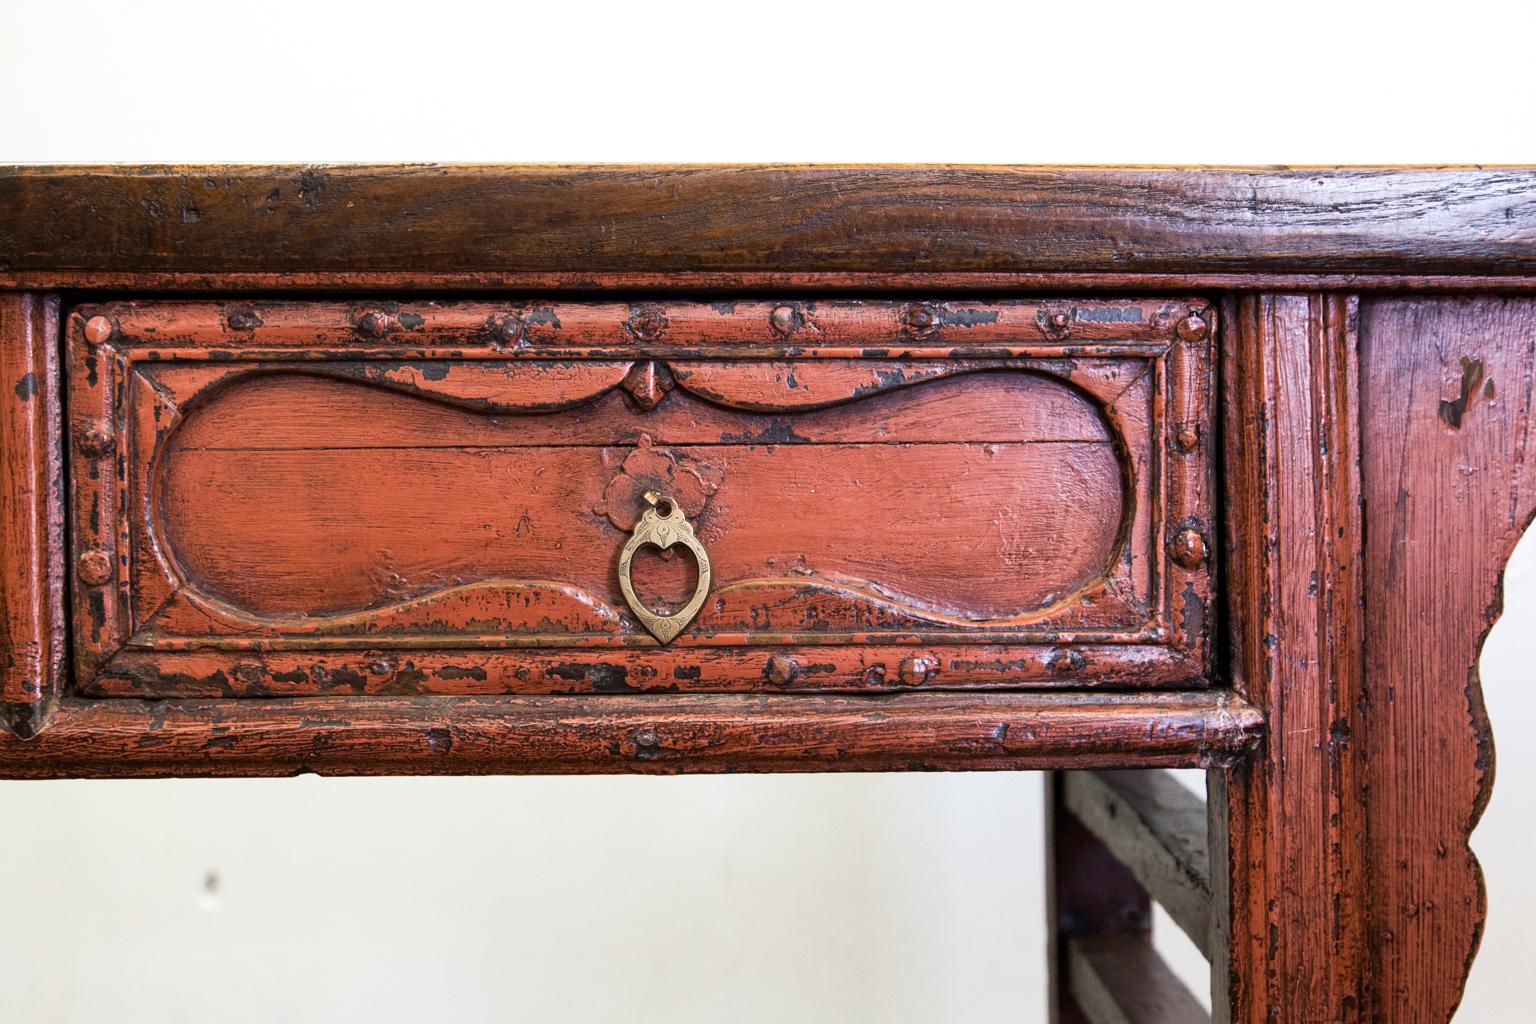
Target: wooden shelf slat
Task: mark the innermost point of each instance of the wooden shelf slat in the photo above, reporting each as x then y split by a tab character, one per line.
1116	977
1156	828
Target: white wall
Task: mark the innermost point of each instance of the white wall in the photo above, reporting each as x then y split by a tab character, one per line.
842	898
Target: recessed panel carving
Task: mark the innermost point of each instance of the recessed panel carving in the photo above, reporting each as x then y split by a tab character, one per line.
967	499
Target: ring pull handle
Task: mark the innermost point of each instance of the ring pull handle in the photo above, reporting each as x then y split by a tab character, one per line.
663	530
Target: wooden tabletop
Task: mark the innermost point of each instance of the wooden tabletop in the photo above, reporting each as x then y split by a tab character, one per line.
731	220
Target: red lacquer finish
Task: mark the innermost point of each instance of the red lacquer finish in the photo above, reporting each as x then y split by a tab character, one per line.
32	629
996	468
1447	412
1007	493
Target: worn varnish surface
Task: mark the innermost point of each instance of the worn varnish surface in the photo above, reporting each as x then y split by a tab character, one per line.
32	629
1447	408
1387	453
739	219
651	733
1290	821
425	498
1373	458
826	284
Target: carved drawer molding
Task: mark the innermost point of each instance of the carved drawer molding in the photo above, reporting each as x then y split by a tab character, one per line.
283	498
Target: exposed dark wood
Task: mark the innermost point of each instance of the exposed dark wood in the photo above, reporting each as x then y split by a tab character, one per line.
1292	828
1087	890
1463	220
646	733
32	625
1156	828
1008	493
964	284
1447	415
1118	978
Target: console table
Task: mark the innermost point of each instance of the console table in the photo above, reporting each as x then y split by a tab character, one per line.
388	470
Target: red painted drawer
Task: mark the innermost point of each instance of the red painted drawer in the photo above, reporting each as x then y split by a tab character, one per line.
319	497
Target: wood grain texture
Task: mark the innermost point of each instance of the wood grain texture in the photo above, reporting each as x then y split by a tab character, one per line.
1352	893
1157	829
393	284
1374	481
767	218
32	625
1291	821
1119	978
1447	415
892	494
652	734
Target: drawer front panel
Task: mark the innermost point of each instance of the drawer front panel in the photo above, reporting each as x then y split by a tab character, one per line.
431	498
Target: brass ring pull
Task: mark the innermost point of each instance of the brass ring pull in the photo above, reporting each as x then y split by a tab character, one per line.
663	531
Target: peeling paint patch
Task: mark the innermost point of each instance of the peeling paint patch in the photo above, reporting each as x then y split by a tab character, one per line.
313	186
1453	412
970	317
1114	315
